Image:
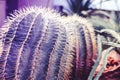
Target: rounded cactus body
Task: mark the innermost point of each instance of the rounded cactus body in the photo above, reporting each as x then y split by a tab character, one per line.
39	44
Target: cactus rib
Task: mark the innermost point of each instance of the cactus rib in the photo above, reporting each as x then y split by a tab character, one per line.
54	60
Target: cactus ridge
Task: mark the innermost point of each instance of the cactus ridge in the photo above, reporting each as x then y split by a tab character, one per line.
81	55
17	44
45	48
30	47
70	56
7	40
54	60
39	44
88	50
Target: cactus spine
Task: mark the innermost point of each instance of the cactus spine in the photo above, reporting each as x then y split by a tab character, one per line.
39	44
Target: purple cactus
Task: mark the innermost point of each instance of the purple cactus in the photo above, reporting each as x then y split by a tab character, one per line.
39	44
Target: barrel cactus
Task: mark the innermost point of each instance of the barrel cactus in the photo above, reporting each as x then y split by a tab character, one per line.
39	44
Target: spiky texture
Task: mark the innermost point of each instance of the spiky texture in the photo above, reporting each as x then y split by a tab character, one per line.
39	44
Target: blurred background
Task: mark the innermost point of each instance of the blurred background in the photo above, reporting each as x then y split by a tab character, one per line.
110	6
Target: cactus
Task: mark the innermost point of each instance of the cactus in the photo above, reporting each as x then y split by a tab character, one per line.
39	44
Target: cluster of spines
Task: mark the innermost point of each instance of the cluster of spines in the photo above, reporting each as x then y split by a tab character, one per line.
41	45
